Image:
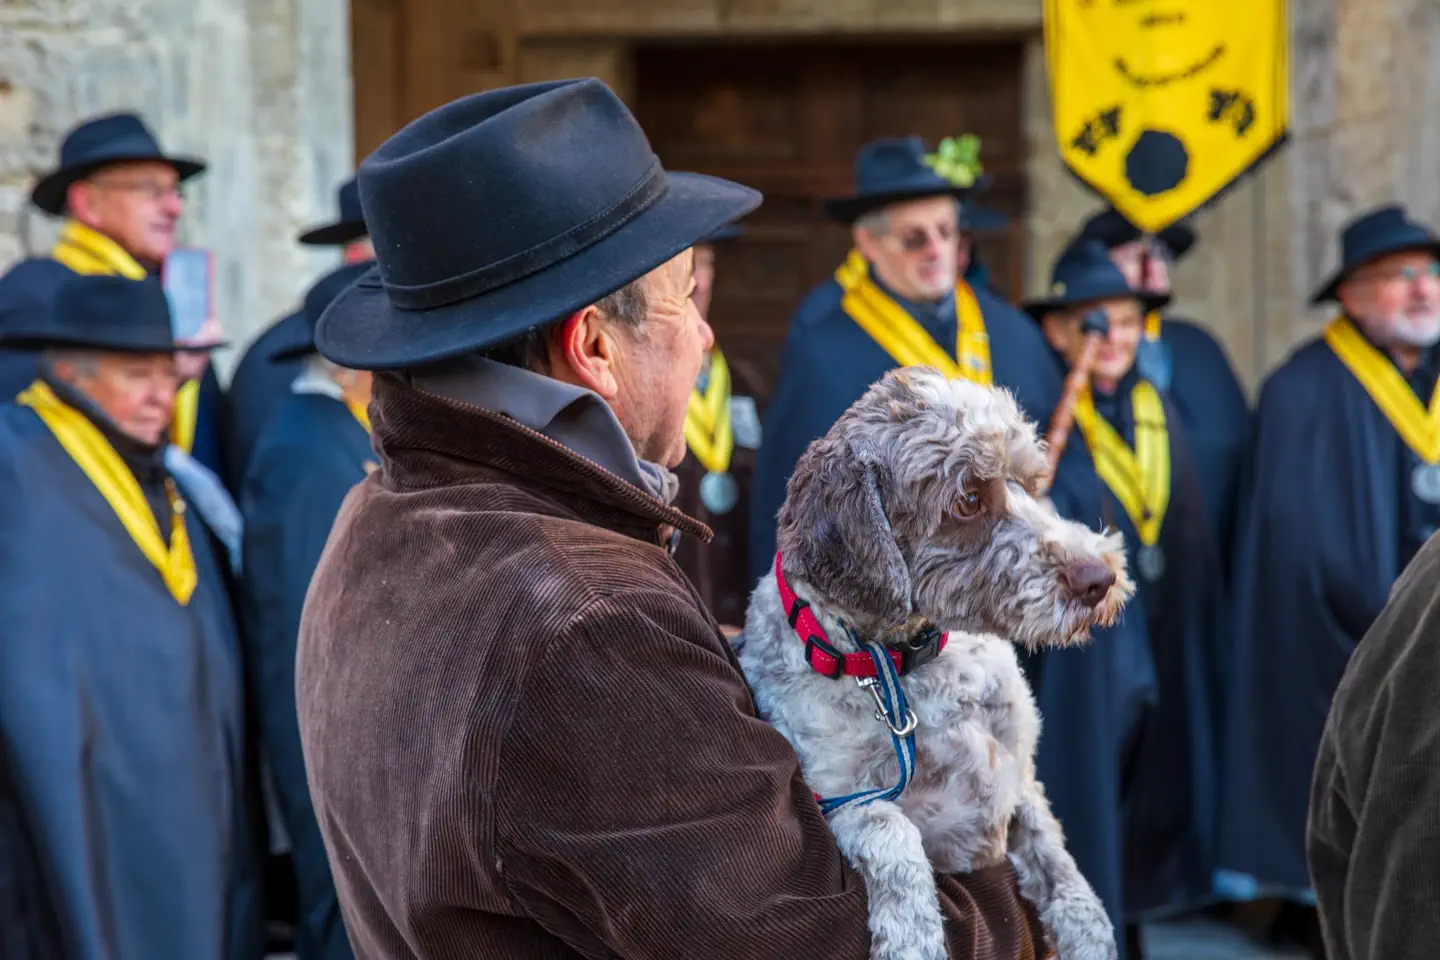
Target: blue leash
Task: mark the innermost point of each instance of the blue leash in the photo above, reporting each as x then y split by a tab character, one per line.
893	709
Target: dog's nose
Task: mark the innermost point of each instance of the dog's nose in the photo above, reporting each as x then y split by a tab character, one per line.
1088	581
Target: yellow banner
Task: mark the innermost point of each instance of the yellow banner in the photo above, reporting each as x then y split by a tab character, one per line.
1158	107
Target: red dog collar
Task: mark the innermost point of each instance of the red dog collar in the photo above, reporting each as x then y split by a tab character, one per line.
824	659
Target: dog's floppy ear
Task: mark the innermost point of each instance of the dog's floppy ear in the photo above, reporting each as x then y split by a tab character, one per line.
834	534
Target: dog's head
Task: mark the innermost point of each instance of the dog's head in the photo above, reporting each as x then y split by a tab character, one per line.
920	505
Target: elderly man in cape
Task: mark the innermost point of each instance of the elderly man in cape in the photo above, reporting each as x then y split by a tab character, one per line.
722	433
121	681
899	299
315	447
525	735
1342	490
1186	362
1128	753
277	356
121	197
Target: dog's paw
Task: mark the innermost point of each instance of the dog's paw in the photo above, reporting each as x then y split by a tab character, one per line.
1080	928
917	941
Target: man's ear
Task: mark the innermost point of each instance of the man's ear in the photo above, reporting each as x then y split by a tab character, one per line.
582	352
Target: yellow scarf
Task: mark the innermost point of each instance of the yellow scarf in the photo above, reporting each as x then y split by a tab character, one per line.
87	446
708	431
90	252
1152	325
901	336
360	412
1418	426
1140	479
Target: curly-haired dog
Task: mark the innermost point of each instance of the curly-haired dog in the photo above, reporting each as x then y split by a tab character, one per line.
917	514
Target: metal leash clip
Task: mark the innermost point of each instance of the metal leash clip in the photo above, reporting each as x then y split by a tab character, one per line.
873	686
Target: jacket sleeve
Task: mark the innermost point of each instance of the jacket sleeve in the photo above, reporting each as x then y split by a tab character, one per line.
644	811
1373	841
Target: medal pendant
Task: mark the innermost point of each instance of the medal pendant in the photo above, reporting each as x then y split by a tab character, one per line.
719	492
1425	482
1151	563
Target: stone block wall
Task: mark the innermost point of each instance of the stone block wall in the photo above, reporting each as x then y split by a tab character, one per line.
260	89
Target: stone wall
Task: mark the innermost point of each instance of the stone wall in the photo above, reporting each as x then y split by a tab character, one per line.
260	89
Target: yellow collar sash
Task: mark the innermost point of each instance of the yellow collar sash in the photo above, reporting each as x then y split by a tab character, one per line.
901	335
1152	325
708	430
1139	478
360	412
93	454
1418	426
90	252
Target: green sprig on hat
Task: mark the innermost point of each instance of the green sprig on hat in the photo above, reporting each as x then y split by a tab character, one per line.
957	160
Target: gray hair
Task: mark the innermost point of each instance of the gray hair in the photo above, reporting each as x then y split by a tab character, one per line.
85	362
529	351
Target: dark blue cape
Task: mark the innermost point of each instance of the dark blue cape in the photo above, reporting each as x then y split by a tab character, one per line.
829	362
32	285
29	921
1212	405
1127	755
311	452
1327	521
124	714
257	386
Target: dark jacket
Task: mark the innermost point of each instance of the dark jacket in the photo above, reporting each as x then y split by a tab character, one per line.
1374	837
526	738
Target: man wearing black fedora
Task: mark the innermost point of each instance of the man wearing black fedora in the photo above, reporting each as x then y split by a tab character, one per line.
313	449
1129	754
525	735
120	195
1343	489
1186	361
899	299
121	677
276	357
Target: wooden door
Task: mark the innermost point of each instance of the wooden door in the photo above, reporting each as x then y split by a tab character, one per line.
787	119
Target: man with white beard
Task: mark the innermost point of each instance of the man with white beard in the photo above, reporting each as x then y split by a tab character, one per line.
1343	488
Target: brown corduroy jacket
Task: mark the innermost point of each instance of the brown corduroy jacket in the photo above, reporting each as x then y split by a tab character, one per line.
526	738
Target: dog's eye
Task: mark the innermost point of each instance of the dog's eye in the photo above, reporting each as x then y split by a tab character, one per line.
967	505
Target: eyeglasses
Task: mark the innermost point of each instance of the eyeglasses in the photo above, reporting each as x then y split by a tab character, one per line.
915	239
1409	273
150	189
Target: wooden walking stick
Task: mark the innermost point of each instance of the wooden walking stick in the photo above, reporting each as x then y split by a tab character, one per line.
1095	327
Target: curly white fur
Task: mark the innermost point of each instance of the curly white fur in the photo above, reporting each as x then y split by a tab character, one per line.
918	508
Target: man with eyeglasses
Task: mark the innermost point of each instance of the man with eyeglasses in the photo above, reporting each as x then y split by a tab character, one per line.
120	195
898	300
1342	491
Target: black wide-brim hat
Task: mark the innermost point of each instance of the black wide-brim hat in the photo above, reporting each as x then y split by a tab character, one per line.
892	170
348	227
509	210
725	234
115	138
1112	229
320	295
1084	273
101	312
1371	236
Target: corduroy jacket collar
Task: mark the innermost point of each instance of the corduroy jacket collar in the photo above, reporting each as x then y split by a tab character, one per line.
428	441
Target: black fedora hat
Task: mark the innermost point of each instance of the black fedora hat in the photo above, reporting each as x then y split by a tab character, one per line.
320	295
508	210
1083	273
349	226
889	171
1112	229
99	312
99	142
1371	236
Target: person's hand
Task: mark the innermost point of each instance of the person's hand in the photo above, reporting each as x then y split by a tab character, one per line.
191	365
